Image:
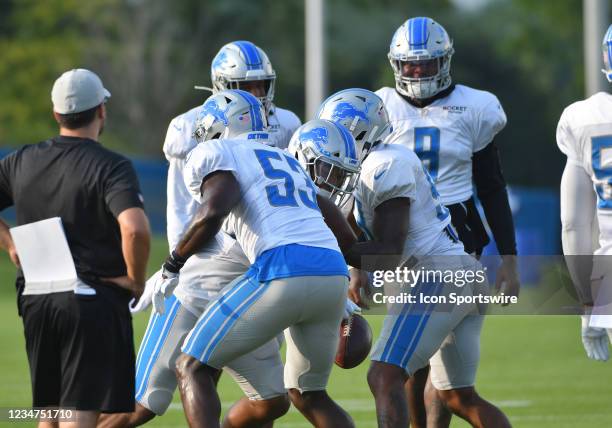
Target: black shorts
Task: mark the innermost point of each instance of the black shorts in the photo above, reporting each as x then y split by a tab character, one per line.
469	226
80	350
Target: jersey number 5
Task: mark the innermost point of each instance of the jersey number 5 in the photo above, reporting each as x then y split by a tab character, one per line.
307	194
601	152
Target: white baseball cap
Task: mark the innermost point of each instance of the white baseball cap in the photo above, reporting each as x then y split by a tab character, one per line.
77	90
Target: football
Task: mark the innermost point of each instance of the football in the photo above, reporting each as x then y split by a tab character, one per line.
355	342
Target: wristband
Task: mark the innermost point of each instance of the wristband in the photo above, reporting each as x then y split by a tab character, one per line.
174	262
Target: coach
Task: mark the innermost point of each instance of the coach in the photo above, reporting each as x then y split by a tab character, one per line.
79	340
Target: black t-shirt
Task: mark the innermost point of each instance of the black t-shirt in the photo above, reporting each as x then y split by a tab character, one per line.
86	185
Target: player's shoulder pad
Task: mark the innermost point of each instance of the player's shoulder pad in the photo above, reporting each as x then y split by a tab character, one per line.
287	119
204	159
384	157
476	98
179	137
385	93
583	112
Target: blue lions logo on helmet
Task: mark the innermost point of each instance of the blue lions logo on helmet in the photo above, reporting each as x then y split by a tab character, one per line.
318	136
348	111
212	108
220	60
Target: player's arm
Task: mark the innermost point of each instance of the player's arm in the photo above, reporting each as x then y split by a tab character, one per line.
578	203
390	230
337	223
220	194
491	190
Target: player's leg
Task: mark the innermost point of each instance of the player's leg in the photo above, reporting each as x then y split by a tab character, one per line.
246	315
386	383
410	336
311	349
415	397
260	376
438	415
155	365
426	409
453	373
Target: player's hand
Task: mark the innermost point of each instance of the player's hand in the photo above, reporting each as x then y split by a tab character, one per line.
164	287
350	308
595	340
139	305
359	287
507	278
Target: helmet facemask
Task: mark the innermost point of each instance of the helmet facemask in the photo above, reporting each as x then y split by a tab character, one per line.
419	40
242	65
334	181
268	86
435	78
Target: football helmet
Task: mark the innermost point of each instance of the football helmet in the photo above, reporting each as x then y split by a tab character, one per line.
231	114
240	63
360	111
326	150
420	55
606	48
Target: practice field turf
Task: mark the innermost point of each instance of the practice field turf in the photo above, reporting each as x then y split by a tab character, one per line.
534	368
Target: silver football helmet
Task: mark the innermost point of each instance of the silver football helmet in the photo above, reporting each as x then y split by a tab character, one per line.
239	63
326	150
606	48
420	55
360	111
231	114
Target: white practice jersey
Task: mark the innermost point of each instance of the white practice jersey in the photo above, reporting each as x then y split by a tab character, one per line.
179	142
224	260
278	205
394	171
446	133
281	126
584	135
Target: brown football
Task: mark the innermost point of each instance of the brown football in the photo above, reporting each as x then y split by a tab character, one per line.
355	342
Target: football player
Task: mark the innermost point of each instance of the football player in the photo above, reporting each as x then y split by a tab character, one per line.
584	135
451	128
398	209
228	114
297	281
239	64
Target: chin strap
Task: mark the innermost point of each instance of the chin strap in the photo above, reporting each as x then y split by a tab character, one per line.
420	103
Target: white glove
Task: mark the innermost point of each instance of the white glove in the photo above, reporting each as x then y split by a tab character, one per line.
164	287
145	300
350	308
595	340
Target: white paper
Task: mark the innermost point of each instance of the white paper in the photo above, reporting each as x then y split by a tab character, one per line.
45	257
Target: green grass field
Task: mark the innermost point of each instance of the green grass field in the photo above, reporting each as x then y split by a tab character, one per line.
534	368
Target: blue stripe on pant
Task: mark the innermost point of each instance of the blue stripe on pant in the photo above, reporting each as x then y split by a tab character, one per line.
221	315
408	328
152	343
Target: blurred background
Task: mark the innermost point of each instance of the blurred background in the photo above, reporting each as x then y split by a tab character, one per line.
150	54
